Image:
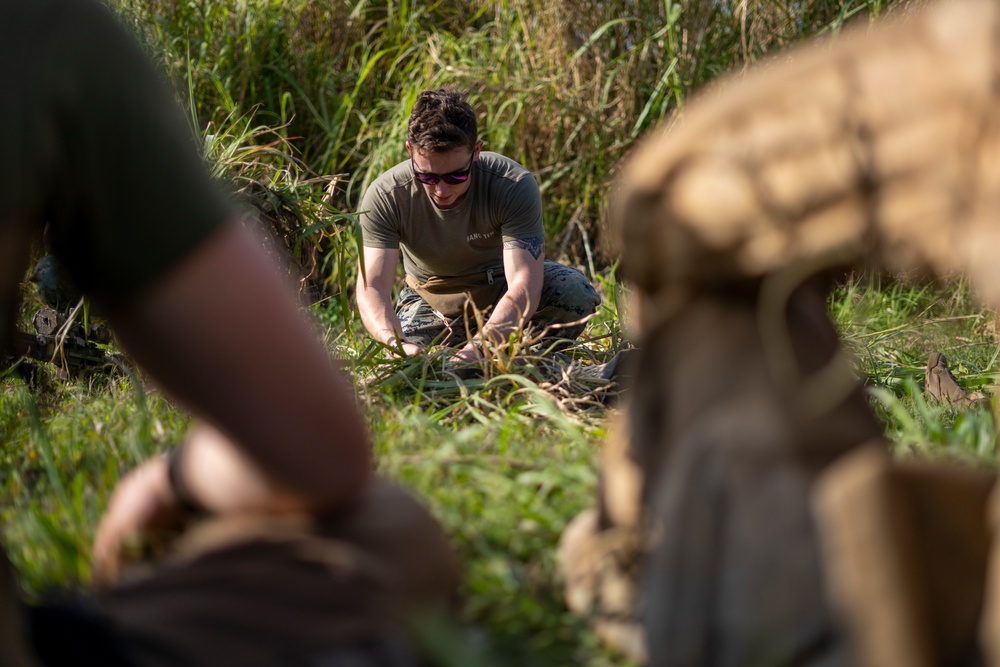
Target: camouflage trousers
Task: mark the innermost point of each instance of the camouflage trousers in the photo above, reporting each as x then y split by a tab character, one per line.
567	296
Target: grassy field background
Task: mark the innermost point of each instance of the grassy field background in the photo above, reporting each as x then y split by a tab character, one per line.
300	104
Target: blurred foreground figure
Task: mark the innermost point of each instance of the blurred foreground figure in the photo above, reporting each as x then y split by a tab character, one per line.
299	556
753	514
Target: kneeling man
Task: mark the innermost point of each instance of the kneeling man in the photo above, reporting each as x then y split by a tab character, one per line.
469	227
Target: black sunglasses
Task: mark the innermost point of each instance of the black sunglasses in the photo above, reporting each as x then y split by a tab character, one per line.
452	178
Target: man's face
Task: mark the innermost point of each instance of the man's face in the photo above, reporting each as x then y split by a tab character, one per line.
444	195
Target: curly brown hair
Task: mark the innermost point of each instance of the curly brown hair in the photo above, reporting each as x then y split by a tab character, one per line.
441	121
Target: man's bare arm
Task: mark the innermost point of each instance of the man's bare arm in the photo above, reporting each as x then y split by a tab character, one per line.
223	333
374	294
523	264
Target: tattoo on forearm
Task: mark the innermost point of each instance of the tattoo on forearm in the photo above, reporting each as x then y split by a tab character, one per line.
534	245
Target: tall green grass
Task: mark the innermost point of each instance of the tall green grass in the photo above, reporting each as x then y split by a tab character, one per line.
565	86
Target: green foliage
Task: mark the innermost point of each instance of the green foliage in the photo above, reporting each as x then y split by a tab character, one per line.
64	446
503	490
565	86
921	427
892	326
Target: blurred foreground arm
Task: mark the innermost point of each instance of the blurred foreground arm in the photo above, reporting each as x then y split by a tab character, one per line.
106	161
222	333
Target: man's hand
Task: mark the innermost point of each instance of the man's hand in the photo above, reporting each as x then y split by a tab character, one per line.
411	349
399	345
468	354
290	413
142	502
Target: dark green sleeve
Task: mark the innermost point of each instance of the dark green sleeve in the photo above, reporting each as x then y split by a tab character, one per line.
114	168
522	214
379	218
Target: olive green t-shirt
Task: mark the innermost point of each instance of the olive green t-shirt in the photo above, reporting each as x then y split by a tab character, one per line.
502	204
95	146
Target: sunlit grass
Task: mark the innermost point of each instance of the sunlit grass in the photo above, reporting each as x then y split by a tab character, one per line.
892	326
